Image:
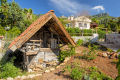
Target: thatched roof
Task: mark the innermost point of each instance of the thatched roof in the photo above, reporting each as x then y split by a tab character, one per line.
37	25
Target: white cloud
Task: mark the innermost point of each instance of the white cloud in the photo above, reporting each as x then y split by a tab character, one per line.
69	6
98	8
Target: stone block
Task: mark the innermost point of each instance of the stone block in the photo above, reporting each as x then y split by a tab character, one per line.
18	77
40	60
38	75
105	55
67	59
23	77
100	54
39	66
52	69
47	71
62	64
31	76
30	70
9	78
114	55
58	67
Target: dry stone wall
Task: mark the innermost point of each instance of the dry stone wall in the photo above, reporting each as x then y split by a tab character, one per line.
42	60
113	39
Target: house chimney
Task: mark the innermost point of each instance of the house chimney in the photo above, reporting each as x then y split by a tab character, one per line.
51	11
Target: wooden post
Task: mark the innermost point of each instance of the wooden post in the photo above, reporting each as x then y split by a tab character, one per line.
51	35
44	56
33	45
58	42
26	47
27	61
24	60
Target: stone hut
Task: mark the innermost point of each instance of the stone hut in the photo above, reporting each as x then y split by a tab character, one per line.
40	43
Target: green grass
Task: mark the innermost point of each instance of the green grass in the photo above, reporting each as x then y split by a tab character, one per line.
89	73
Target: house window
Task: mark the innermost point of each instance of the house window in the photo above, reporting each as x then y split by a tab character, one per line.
85	25
80	24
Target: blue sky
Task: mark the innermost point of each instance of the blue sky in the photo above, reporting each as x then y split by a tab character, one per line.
72	7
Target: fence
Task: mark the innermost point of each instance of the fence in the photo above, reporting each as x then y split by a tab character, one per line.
8	37
80	32
88	33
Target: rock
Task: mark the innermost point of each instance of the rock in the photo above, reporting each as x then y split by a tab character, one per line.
58	67
111	53
62	64
55	63
30	70
23	77
36	69
114	55
31	76
31	66
108	53
100	54
38	75
52	69
9	78
94	61
40	60
105	55
39	66
47	71
66	59
18	77
52	63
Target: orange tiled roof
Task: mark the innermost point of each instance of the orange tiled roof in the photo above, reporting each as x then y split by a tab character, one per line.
1	37
33	28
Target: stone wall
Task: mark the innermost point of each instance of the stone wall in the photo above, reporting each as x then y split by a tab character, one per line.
93	38
113	39
42	60
46	56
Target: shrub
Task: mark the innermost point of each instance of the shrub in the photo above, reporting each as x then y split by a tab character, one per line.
76	74
15	31
118	66
79	32
79	42
95	74
9	70
91	54
66	53
101	33
2	31
90	73
109	50
87	32
74	31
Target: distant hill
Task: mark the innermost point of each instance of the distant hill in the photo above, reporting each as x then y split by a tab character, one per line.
101	15
103	18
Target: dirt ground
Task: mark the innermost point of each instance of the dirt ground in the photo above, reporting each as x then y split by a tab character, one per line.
106	65
103	64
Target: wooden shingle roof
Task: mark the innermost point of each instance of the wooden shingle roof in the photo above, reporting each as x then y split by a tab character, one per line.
37	25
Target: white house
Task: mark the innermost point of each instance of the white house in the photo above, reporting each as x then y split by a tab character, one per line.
81	22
